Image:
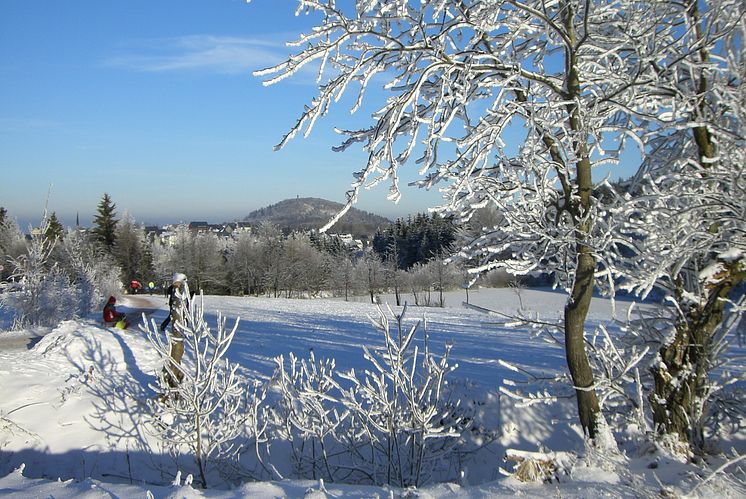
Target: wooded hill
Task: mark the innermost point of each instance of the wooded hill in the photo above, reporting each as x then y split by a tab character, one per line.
313	213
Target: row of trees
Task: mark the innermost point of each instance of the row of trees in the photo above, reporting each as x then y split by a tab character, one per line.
266	262
517	104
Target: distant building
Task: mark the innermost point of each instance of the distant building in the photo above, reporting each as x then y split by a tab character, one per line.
349	241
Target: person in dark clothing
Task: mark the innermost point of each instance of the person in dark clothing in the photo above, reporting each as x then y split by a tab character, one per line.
111	316
178	284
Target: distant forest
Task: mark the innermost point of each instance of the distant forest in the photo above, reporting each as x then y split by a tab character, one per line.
410	241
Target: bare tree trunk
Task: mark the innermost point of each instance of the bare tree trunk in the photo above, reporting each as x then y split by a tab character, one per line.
681	376
577	307
172	371
576	311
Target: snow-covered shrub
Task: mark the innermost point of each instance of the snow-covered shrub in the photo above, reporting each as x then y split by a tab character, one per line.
402	422
394	423
209	410
617	360
308	413
44	294
55	280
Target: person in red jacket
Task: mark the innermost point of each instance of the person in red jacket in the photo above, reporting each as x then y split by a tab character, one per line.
111	316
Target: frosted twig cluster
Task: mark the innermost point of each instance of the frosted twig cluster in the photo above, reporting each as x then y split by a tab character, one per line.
209	409
393	424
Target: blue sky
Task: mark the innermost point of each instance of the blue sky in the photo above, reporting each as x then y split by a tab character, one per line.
153	101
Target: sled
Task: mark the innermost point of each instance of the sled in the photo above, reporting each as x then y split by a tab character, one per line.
120	324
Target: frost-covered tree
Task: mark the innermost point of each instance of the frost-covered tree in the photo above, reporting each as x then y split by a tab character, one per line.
12	245
44	297
130	250
208	271
93	273
445	277
341	274
271	243
686	208
242	264
199	256
304	266
510	104
176	257
369	275
105	222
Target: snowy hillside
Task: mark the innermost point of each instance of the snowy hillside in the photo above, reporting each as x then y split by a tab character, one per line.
72	406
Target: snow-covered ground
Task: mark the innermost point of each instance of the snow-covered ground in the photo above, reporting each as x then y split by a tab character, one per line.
71	420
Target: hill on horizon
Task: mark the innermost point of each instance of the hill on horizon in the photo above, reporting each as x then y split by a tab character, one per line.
314	213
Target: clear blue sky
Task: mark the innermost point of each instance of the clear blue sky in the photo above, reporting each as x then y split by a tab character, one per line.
153	101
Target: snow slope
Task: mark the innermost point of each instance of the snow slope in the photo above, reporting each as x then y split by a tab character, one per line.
71	405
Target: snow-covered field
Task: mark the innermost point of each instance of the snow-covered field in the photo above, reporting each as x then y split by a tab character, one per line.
71	422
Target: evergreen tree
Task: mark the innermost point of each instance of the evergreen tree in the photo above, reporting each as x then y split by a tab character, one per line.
105	223
54	228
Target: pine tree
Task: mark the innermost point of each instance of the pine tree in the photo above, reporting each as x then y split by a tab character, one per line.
105	223
54	228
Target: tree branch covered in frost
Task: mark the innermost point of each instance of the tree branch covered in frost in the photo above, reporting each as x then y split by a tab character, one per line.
461	78
210	408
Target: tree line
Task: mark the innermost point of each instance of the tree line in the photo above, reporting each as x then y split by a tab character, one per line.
260	262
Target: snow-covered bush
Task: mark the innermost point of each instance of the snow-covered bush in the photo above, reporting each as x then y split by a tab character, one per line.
308	413
44	294
209	410
394	423
59	280
403	425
